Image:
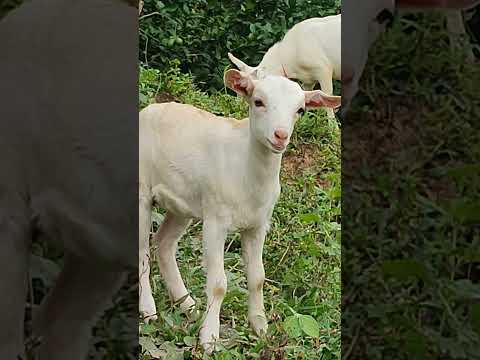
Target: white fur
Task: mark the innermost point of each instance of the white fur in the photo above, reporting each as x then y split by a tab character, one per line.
65	175
224	171
309	52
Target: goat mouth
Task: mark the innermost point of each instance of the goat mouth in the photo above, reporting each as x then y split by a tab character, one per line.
277	149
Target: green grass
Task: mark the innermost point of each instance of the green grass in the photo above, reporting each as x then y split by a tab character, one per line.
301	254
411	204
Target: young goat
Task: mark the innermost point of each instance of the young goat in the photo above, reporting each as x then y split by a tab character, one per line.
225	172
309	52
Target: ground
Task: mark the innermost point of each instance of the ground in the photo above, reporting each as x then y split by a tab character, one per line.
410	206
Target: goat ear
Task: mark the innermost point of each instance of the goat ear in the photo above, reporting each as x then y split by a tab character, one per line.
239	82
240	64
317	99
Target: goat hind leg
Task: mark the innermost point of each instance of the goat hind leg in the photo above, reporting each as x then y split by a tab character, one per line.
65	319
146	304
326	84
14	251
166	240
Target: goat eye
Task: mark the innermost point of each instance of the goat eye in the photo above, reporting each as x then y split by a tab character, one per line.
259	103
300	112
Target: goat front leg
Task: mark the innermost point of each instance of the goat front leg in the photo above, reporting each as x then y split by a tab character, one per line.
14	251
146	304
214	234
252	247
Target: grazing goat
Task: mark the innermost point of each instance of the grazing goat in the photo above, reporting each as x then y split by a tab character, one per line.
226	172
453	16
365	21
310	52
65	157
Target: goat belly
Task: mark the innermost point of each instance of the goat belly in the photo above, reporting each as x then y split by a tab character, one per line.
84	230
174	203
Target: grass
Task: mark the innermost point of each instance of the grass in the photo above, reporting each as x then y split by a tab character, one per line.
301	254
411	203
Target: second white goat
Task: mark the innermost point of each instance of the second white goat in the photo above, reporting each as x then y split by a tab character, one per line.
365	21
226	172
310	52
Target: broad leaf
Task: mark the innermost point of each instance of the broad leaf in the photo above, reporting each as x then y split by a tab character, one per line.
309	325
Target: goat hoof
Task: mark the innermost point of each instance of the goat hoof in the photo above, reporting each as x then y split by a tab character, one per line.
147	308
259	324
187	306
148	318
149	315
208	348
208	341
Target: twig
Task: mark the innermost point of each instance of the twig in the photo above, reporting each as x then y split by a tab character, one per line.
148	15
282	258
352	344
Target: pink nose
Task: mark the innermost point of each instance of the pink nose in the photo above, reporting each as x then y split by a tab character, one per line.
280	134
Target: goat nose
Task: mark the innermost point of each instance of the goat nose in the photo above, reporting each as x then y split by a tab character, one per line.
280	134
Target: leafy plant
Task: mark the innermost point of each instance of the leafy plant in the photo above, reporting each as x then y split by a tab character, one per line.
411	204
200	33
7	5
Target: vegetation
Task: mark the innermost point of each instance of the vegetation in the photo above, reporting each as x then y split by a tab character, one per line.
411	208
410	177
199	33
8	5
183	48
301	256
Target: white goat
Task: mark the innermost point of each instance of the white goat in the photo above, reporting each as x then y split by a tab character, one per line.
64	173
362	27
453	16
310	52
226	172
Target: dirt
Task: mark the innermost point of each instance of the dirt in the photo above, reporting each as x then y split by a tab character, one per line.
394	141
302	159
164	97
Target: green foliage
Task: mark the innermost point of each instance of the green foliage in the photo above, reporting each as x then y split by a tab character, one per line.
201	32
413	239
301	255
298	325
183	48
8	5
181	85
